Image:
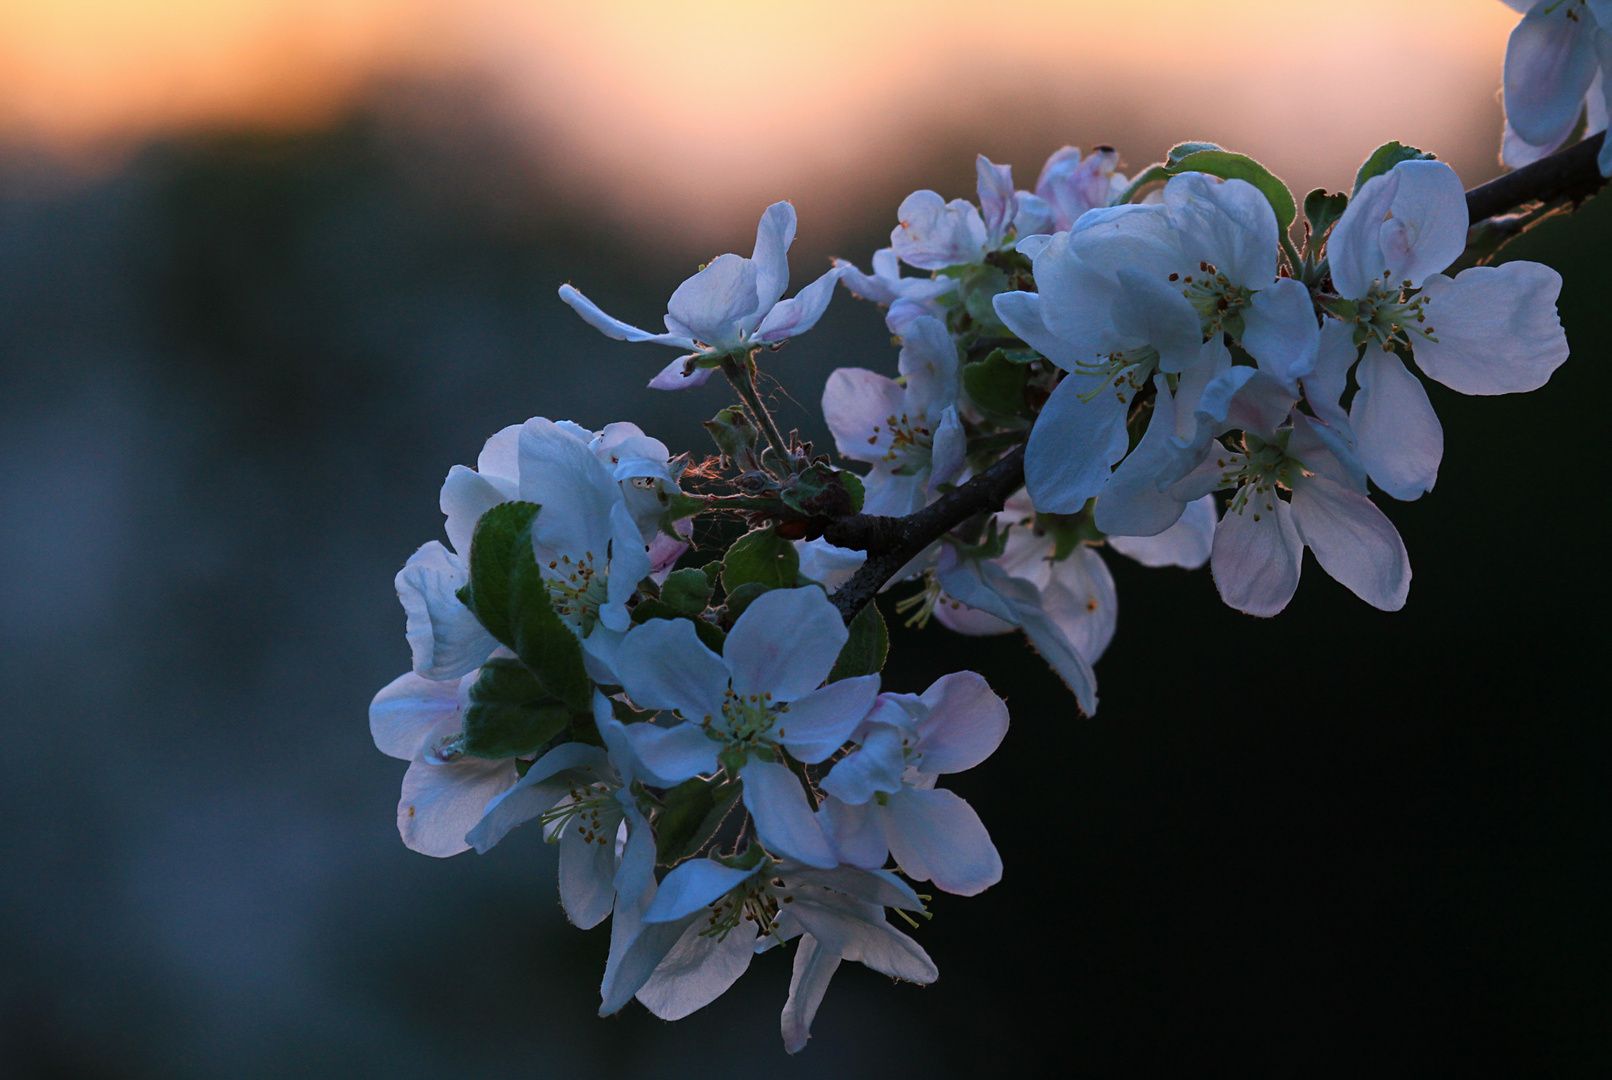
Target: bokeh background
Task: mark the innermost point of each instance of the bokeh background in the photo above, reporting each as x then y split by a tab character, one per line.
268	268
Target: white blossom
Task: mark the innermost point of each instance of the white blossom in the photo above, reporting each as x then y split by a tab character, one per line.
731	307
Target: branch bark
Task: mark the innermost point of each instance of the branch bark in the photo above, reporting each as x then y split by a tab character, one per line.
1571	174
1567	175
892	543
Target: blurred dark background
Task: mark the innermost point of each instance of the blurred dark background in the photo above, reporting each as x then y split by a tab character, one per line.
233	373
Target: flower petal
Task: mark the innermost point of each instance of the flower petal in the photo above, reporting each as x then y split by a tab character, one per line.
857	404
877	765
1187	543
466	495
785	823
1131	503
691	886
444	636
587	872
998	205
410	711
677	376
855	831
1081	602
771	256
964	723
1281	331
1497	329
1020	312
636	949
441	803
829	566
1400	441
936	836
612	327
573	487
818	724
660	756
808	982
1353	541
698	970
664	665
1324	387
1257	556
929	361
784	644
800	312
1073	447
1550	61
548	781
859	932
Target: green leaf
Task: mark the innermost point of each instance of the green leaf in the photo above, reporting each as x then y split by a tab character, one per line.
654	609
1150	175
679	507
760	556
687	591
822	491
710	634
1210	159
980	289
712	571
996	387
1068	531
510	713
742	597
858	491
1384	158
866	648
735	435
694	811
492	564
1322	211
1181	151
507	594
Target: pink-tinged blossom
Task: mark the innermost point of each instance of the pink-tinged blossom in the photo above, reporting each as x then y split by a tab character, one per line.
910	433
1069	186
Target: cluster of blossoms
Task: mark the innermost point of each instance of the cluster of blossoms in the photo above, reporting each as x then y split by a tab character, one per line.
1146	364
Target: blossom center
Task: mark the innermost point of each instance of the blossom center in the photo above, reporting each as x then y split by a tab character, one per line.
1257	474
748	903
577	589
1391	316
1123	372
1218	301
908	438
747	720
594	809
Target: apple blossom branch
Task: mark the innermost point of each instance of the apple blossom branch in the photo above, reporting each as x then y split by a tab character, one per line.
1568	176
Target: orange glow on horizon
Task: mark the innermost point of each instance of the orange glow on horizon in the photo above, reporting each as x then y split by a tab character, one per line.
698	108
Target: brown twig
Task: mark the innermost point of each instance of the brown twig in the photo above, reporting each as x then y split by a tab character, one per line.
891	543
1570	174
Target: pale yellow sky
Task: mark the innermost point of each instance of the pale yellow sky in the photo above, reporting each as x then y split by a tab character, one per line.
707	108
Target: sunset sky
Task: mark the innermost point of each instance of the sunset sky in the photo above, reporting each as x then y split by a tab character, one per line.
705	109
